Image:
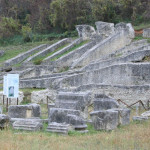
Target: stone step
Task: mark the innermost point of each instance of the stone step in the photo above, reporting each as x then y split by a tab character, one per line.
72	96
59	128
27	125
66	105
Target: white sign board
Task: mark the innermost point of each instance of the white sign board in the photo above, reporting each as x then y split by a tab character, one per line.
5	85
12	86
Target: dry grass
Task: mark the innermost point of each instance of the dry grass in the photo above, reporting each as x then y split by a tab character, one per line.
135	136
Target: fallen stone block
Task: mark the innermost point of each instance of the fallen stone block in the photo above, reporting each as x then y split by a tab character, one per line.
146	33
103	102
105	29
105	120
60	128
146	114
24	111
59	115
124	115
139	118
4	121
28	125
85	31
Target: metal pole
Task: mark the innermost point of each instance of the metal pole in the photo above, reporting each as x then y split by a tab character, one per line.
17	100
7	105
3	99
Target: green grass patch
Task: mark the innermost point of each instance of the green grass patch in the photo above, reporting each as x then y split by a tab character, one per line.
70	50
142	26
13	50
38	60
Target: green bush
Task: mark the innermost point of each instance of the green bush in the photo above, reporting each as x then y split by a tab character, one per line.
9	27
27	33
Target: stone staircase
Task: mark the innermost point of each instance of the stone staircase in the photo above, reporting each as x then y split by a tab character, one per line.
70	108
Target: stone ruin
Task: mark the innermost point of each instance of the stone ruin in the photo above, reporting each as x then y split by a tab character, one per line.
110	63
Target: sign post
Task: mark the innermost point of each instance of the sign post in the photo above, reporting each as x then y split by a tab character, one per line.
11	87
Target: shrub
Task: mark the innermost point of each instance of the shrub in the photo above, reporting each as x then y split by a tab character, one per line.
27	33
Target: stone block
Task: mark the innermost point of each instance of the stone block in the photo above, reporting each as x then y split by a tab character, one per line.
105	119
59	115
103	102
139	118
4	121
86	31
28	125
127	27
75	120
24	111
124	115
2	53
105	29
60	128
146	33
146	114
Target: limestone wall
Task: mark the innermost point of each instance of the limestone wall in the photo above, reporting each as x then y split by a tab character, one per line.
123	74
133	57
107	46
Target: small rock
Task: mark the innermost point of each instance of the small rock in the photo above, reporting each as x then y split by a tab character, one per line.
139	118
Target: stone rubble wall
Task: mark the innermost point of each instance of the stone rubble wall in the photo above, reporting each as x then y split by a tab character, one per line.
19	58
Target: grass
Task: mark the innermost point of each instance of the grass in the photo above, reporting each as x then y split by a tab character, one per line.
70	50
38	60
142	26
132	137
13	50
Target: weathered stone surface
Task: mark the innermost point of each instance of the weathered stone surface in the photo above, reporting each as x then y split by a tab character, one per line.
124	92
105	120
28	125
146	114
139	118
60	128
85	31
22	56
36	110
41	96
127	27
75	120
76	101
132	57
115	41
105	29
59	115
2	53
122	74
146	33
103	102
124	115
4	121
24	111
